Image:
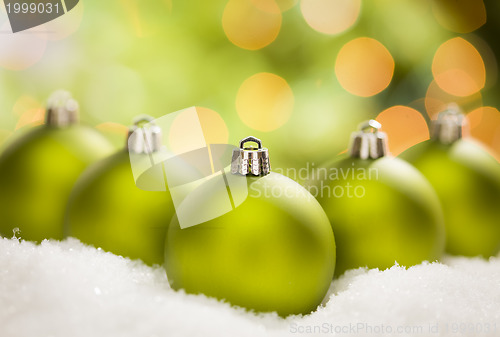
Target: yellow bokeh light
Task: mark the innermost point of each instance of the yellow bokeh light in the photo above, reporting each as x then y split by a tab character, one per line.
31	117
485	126
115	129
436	99
213	126
404	126
364	67
460	16
458	68
330	16
30	112
264	102
270	5
251	25
111	127
190	131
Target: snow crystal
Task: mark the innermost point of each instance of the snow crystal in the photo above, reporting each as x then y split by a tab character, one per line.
68	289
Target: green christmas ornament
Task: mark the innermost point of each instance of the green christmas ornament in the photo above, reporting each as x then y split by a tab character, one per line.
39	168
267	246
382	210
108	210
467	180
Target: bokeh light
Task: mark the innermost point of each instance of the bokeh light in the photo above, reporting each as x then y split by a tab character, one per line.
190	131
330	16
116	133
31	118
436	99
213	126
404	126
264	102
21	50
458	68
364	67
460	16
30	112
251	24
484	125
270	5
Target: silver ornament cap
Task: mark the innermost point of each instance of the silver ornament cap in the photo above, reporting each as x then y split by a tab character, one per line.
368	142
249	160
62	109
447	128
144	136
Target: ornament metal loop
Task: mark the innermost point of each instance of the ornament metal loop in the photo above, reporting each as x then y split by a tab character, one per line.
251	160
62	109
447	128
250	139
370	125
143	119
368	142
142	139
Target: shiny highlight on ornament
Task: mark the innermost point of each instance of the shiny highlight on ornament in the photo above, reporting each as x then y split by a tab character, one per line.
404	126
251	24
330	16
264	102
458	68
364	67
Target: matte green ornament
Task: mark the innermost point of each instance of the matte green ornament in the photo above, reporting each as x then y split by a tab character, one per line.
382	210
274	250
39	168
467	180
108	210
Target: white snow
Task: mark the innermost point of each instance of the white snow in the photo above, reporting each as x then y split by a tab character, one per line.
68	289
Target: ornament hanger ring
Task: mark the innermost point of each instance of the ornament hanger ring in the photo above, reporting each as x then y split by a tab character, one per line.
143	119
250	139
370	125
451	111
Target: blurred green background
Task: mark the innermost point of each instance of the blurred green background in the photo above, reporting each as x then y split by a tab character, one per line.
300	75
